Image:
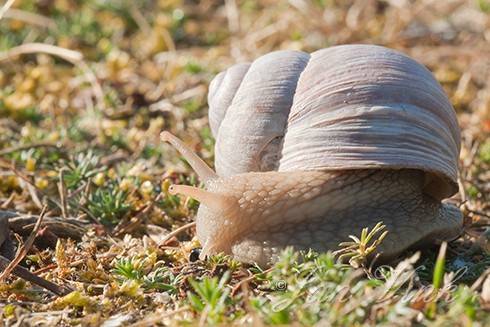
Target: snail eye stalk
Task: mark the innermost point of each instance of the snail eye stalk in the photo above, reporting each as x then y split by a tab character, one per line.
200	167
213	201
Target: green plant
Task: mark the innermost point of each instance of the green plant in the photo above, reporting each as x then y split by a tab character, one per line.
161	279
211	297
193	67
223	260
437	279
126	268
485	149
360	249
484	5
108	204
303	285
80	168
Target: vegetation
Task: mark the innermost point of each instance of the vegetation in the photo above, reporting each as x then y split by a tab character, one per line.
87	86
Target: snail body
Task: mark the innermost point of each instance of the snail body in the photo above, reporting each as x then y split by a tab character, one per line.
311	148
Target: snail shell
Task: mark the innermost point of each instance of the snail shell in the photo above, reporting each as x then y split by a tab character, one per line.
341	108
312	148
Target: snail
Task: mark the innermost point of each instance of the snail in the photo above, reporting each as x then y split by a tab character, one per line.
311	148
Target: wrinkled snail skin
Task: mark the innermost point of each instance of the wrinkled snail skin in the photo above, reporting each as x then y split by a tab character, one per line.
269	211
255	215
311	148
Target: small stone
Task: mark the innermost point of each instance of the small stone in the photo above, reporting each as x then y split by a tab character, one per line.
194	255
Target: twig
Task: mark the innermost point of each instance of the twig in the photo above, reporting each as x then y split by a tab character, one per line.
27	146
176	232
136	220
204	316
479	213
113	158
7	202
25	274
54	265
139	18
478	283
25	248
32	191
462	191
65	228
248	279
19	174
30	18
62	191
94	83
6	7
71	56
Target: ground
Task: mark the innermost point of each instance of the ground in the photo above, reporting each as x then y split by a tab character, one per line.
85	89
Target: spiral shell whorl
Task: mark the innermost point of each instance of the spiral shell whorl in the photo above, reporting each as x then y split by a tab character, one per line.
222	91
344	107
258	113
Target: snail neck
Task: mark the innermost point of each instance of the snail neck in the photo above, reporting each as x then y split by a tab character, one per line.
375	186
275	200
